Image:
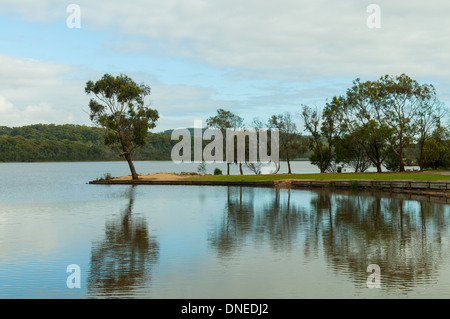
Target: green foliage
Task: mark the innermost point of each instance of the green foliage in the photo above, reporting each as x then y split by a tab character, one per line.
351	153
434	154
105	177
420	176
291	143
42	142
388	115
325	130
201	169
317	158
119	107
217	171
223	120
68	132
436	150
392	162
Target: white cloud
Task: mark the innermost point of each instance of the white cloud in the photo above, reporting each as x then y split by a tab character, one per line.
34	91
315	44
31	114
318	38
35	10
6	107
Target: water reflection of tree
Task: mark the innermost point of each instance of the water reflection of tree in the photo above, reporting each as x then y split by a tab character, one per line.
276	222
392	233
403	237
122	261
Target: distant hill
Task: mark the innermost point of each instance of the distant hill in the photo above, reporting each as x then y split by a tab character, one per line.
50	142
68	142
191	131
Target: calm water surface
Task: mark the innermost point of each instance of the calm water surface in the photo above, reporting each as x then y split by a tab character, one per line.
211	242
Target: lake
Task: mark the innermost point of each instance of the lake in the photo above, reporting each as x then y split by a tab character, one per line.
211	242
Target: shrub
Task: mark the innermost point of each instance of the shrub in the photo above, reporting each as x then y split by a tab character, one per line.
217	171
201	169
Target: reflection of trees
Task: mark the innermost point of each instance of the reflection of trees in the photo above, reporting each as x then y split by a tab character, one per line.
392	233
277	222
352	231
122	260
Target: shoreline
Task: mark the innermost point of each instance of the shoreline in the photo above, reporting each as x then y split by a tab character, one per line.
425	188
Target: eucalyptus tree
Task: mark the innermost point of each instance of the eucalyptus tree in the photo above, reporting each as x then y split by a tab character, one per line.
352	154
436	149
360	120
428	120
224	120
401	101
291	143
120	108
324	130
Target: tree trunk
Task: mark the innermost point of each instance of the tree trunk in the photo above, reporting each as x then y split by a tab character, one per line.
131	165
402	164
228	168
379	170
240	169
289	166
421	145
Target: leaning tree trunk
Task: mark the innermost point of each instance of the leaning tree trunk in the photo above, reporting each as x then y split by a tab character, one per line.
289	166
240	169
131	165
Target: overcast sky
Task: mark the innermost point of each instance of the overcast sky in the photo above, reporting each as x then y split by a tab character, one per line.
253	57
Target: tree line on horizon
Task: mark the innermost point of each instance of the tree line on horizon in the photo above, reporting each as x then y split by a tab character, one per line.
388	123
68	142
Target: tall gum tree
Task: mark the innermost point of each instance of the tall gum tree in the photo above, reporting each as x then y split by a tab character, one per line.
401	101
324	130
359	119
291	143
224	120
119	107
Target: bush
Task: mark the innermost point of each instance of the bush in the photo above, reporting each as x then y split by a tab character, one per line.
392	163
105	177
201	169
435	154
217	171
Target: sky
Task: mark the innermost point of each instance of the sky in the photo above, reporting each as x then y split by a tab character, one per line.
255	58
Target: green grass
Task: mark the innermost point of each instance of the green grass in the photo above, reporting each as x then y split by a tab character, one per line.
421	176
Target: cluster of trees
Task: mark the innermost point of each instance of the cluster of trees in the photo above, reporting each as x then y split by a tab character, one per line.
385	123
377	123
291	143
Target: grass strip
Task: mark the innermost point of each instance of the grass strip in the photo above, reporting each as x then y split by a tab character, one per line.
417	176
